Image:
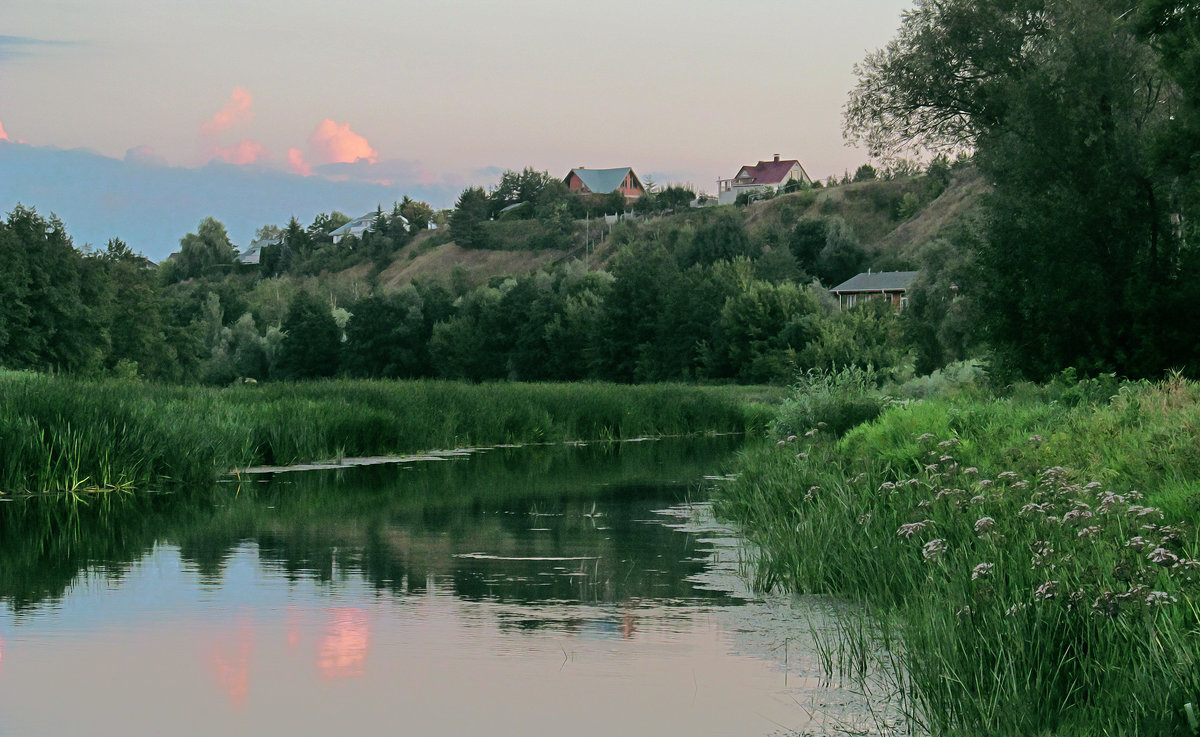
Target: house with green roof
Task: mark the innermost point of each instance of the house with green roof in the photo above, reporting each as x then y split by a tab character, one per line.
889	285
586	181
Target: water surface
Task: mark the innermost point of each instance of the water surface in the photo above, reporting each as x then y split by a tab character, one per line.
561	590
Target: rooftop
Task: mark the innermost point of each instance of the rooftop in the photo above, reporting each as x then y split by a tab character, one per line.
878	281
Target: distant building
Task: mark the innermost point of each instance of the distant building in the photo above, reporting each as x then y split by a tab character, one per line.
362	224
605	181
253	253
762	177
889	285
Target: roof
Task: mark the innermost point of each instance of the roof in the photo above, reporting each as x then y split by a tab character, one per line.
253	253
878	281
767	172
602	181
363	223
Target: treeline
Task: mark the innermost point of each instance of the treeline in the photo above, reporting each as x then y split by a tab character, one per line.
1083	117
700	297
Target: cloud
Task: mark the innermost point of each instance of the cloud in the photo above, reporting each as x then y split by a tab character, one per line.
144	155
4	136
297	163
14	46
246	151
335	143
235	111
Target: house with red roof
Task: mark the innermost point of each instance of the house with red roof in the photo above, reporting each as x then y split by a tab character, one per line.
762	177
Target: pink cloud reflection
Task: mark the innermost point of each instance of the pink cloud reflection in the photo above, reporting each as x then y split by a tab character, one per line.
343	649
230	665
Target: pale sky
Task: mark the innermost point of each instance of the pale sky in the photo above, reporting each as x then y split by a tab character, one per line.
442	91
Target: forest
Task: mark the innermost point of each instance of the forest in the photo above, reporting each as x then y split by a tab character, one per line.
670	293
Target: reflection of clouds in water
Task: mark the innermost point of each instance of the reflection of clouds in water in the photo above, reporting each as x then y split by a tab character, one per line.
293	628
230	663
1	656
343	650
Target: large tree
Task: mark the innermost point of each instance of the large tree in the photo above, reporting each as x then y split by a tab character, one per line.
1062	101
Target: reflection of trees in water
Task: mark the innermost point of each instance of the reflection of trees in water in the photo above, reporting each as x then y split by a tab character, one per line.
395	527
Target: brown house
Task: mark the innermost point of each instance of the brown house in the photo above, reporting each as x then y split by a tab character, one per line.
605	181
889	285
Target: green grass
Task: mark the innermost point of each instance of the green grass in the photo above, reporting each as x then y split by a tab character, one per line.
64	434
1031	562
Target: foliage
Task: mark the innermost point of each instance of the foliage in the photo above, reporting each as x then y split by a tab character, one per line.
67	434
1014	573
470	213
828	400
198	252
312	340
1077	112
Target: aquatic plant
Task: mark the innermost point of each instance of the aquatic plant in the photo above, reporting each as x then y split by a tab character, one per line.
76	434
1031	565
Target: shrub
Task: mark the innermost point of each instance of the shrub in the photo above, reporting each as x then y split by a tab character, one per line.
832	400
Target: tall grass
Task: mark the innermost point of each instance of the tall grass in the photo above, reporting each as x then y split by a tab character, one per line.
1035	562
73	434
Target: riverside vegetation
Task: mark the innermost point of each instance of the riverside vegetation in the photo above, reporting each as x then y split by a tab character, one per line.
1030	562
71	434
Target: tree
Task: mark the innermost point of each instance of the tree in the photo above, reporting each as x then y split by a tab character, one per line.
419	214
515	187
1063	103
133	312
721	238
865	173
209	246
48	321
763	327
312	340
470	213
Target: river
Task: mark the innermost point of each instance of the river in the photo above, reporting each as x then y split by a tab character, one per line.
542	590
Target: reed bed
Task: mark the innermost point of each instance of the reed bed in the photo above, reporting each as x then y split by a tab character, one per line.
66	434
1032	567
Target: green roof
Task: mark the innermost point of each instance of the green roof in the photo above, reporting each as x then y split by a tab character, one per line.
878	281
602	181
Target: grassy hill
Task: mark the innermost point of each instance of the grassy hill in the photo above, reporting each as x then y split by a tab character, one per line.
874	210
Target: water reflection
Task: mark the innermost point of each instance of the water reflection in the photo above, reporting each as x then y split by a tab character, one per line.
525	591
229	660
343	651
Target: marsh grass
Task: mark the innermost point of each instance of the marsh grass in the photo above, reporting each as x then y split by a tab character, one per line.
61	434
1032	563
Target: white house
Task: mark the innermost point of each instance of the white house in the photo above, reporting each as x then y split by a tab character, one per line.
761	177
362	224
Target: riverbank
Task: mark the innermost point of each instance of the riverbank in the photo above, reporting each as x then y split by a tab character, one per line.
1030	561
84	435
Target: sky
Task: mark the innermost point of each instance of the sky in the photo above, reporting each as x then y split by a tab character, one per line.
441	92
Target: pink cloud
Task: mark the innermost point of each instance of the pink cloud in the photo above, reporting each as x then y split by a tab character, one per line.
4	136
246	151
335	143
297	163
236	110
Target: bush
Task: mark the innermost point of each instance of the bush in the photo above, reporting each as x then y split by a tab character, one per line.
833	401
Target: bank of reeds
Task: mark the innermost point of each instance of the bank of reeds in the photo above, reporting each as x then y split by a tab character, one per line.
1031	562
73	434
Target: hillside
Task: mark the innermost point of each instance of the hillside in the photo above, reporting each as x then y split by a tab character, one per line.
870	209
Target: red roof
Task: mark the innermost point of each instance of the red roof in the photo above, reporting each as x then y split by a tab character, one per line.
767	172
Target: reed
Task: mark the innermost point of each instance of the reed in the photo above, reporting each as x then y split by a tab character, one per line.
86	435
1033	566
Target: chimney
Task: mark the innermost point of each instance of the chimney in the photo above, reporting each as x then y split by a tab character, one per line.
777	157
